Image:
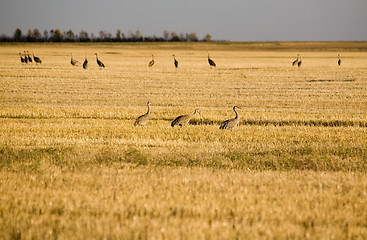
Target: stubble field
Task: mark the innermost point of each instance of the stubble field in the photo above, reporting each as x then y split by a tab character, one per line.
73	166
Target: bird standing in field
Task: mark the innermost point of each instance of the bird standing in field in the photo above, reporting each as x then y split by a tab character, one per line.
73	61
25	57
231	123
339	60
36	59
85	63
29	57
151	63
184	119
100	64
175	61
211	62
299	62
21	58
143	119
295	61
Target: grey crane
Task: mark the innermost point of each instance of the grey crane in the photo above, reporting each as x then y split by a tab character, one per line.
21	58
295	61
339	61
151	63
29	57
175	61
85	63
143	119
184	119
299	62
36	59
211	62
231	123
25	57
73	61
100	64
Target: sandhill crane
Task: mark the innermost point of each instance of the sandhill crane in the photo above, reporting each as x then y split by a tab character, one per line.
143	119
29	57
175	61
21	58
151	63
73	61
85	63
299	62
231	123
184	119
211	62
25	57
295	61
100	64
339	61
36	59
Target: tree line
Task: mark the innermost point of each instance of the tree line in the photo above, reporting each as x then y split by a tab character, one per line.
103	36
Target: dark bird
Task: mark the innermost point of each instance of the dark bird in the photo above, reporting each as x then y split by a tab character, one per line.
184	119
25	57
211	62
29	57
85	63
339	61
73	61
295	61
299	62
100	64
143	119
175	61
151	63
231	123
21	58
36	59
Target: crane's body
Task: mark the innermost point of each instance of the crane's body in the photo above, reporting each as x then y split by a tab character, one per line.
184	119
143	119
231	123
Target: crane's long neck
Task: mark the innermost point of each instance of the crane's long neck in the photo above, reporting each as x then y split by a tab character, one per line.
234	109
148	109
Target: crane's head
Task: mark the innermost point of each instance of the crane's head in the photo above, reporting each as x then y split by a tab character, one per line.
148	103
235	107
197	111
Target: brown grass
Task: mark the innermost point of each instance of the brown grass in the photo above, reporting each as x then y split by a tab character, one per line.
73	166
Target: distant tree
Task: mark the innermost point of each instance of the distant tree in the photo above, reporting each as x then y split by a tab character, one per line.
18	35
165	35
69	36
29	36
192	37
57	36
45	35
182	37
139	37
102	35
118	35
36	34
52	32
207	38
83	36
174	37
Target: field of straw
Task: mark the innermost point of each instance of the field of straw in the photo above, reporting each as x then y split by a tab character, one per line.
74	166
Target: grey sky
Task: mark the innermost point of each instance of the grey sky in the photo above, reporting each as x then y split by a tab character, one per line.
235	20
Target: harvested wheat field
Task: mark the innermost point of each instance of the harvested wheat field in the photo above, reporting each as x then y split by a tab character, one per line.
74	166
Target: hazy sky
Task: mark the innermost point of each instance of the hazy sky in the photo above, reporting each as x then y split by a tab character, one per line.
235	20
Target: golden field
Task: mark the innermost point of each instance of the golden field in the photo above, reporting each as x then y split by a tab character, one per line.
73	166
